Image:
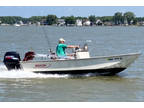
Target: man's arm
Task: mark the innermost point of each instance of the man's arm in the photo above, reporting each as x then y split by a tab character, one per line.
73	46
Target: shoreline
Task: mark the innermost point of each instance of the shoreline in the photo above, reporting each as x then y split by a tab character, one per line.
73	25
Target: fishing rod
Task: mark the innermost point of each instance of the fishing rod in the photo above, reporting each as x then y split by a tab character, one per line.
47	39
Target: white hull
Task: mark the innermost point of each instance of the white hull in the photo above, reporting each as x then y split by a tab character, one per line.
106	65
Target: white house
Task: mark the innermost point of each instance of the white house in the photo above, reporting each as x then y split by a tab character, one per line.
125	22
38	23
99	22
78	22
141	23
21	23
61	22
87	23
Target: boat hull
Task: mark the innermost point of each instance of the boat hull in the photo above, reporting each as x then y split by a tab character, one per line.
110	71
108	65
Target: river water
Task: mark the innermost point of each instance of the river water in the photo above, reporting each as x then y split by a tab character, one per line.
19	86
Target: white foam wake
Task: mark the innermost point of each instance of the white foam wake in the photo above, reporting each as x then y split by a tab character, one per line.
4	73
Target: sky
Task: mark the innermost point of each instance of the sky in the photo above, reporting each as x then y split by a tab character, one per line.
84	11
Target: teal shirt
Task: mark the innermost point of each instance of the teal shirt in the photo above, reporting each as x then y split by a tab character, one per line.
60	50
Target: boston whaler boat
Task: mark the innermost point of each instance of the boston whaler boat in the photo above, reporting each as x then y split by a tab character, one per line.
81	63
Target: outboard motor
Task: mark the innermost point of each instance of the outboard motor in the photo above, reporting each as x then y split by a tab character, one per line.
12	60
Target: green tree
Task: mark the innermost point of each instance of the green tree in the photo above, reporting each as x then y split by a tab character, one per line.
63	17
70	20
35	19
135	21
92	19
129	16
11	19
51	19
118	18
106	19
82	18
139	19
25	20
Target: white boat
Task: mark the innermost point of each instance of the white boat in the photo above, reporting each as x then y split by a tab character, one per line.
107	65
17	25
81	64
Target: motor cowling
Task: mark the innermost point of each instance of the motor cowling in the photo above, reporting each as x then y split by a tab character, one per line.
12	60
29	56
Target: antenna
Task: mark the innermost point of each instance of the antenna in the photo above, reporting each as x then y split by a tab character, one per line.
47	39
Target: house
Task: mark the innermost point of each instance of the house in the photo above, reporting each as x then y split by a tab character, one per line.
87	23
61	22
78	22
43	22
141	23
3	24
21	23
38	23
125	22
108	23
29	23
99	22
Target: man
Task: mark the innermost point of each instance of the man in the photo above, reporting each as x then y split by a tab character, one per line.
60	49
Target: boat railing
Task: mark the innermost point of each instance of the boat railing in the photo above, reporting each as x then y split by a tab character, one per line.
41	57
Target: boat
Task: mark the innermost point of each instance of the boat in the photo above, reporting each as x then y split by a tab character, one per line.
81	63
107	65
17	25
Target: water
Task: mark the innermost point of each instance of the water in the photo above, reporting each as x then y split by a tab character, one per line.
18	86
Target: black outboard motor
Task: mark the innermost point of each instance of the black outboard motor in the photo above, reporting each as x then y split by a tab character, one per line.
12	60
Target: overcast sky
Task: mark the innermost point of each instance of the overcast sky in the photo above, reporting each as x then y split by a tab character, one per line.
85	11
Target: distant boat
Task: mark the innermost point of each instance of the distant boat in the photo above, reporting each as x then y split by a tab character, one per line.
17	25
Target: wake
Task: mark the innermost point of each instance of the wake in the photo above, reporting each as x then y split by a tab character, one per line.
4	73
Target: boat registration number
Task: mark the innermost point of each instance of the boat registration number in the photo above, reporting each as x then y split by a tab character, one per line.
42	65
115	58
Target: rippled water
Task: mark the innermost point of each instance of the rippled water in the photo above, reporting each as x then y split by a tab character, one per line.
27	86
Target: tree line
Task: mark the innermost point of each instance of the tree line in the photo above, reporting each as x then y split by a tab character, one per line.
117	19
